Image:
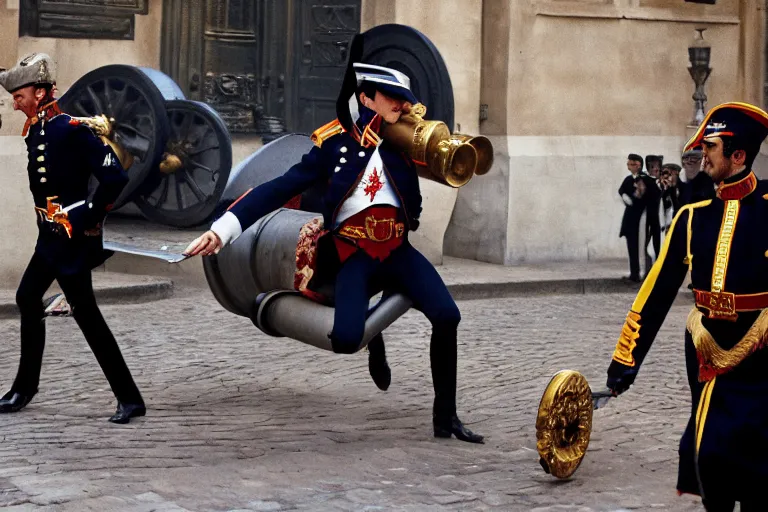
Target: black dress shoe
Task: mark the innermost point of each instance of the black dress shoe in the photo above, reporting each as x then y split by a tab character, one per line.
125	412
445	427
377	363
14	402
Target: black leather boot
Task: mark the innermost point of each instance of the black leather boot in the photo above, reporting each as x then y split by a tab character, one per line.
377	363
447	426
125	412
13	401
443	356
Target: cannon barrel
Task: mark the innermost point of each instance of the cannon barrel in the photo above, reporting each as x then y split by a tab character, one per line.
254	277
263	259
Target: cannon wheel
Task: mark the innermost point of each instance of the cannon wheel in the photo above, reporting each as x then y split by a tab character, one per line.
129	96
407	50
187	194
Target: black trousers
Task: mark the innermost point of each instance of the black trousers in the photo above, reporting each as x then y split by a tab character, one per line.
632	237
408	272
78	289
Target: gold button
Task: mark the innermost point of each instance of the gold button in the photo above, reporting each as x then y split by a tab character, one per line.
41	158
765	197
42	169
41	147
766	254
43	180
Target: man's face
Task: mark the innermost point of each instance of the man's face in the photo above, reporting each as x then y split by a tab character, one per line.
669	176
692	166
654	168
715	164
27	99
674	176
390	109
633	166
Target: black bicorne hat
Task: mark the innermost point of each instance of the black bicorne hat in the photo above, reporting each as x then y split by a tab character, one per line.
349	85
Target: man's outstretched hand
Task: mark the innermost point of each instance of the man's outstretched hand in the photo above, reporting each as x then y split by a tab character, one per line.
206	244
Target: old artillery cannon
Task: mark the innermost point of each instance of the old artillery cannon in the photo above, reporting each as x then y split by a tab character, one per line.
180	150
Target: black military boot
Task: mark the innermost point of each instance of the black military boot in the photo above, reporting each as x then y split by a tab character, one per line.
377	363
125	412
13	401
443	360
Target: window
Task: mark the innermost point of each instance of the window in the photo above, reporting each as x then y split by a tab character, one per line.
113	19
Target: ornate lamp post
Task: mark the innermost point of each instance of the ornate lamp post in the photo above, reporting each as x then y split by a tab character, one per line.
699	54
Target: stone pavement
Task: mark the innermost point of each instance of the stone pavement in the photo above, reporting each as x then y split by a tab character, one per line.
240	421
466	279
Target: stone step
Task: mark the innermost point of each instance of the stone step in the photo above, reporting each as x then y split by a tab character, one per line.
109	287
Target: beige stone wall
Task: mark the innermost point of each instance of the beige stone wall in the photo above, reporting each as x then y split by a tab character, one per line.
572	87
578	74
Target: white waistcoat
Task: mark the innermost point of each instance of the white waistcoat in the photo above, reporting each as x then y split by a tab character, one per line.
373	189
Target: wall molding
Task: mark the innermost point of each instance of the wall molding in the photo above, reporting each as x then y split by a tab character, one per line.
613	11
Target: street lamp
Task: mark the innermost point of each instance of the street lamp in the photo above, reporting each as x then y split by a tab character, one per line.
699	54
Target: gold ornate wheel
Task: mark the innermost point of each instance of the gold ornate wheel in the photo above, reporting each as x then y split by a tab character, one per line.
564	423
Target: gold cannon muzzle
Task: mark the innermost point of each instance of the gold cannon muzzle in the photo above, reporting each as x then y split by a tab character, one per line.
104	129
450	159
564	423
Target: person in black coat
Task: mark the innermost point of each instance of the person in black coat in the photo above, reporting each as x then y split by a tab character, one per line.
698	185
634	205
722	241
371	202
651	177
63	155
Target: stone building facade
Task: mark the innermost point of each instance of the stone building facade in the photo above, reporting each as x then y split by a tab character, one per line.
565	89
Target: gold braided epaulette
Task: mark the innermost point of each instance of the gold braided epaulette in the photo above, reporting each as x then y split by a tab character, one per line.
326	132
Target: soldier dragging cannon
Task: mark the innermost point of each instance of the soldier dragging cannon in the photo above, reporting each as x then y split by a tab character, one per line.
371	203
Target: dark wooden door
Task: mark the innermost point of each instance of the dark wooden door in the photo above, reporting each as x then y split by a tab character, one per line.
323	32
266	66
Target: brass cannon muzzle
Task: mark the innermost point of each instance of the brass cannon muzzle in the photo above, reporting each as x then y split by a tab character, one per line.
448	159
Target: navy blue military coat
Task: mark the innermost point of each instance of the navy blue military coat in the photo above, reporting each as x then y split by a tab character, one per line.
338	165
63	155
724	243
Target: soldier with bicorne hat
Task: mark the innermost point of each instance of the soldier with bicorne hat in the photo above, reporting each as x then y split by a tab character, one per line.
63	155
370	204
724	243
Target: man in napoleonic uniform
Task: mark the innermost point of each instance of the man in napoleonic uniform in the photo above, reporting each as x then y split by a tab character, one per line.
370	204
723	241
63	155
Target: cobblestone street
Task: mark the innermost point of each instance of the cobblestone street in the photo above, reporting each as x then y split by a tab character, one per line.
240	421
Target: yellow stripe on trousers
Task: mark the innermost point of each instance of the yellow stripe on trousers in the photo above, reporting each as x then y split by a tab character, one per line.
701	413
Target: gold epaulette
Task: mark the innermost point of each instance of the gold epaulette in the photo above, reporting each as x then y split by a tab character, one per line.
326	132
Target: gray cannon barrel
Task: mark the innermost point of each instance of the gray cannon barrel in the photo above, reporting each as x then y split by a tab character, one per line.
268	162
294	316
263	259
